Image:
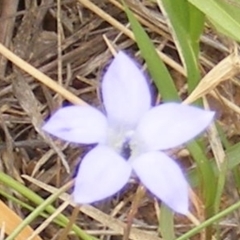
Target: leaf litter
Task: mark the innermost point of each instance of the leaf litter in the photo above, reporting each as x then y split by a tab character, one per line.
32	34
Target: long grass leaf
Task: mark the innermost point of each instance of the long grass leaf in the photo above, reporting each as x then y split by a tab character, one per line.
156	67
223	15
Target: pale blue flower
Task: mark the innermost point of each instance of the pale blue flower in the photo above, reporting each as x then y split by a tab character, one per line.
130	120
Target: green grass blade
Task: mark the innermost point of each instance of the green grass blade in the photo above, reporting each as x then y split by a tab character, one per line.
156	67
205	171
34	214
168	92
187	26
28	207
209	221
196	26
225	16
166	223
233	160
10	182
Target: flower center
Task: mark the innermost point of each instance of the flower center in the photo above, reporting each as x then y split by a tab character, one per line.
119	139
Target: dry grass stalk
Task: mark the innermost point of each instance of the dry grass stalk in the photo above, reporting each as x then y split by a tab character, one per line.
83	25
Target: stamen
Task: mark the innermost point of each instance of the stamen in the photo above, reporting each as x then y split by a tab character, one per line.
125	150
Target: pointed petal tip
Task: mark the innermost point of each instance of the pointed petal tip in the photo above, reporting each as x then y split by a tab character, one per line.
77	124
82	199
122	54
102	173
125	90
183	211
172	124
211	115
182	208
164	178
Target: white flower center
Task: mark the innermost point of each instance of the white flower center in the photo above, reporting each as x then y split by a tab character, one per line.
124	141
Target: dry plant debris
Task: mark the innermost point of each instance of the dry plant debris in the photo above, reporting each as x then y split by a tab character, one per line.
33	87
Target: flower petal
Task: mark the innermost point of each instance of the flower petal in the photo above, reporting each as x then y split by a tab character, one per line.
164	178
125	91
171	124
101	174
78	124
